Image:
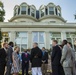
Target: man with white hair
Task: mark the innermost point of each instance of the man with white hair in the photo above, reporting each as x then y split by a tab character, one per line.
36	56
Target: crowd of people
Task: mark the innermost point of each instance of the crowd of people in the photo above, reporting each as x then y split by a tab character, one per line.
62	59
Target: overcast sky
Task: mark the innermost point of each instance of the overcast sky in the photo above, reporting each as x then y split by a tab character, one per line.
68	7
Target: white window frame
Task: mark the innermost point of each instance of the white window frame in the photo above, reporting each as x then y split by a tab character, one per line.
21	40
38	37
59	37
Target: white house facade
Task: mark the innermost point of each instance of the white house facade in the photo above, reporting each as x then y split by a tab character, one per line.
29	25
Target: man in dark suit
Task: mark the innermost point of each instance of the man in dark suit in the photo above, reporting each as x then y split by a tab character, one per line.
25	62
9	58
44	61
36	56
55	58
3	54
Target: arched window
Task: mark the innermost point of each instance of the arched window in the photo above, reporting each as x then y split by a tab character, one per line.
51	10
15	12
46	11
59	13
28	11
56	11
32	12
42	12
18	10
23	9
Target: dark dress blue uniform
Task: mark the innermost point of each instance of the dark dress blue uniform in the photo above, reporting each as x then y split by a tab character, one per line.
25	62
3	55
55	59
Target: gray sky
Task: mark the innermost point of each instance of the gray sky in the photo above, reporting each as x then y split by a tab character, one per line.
68	7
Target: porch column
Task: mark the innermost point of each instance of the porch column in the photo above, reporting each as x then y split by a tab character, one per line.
29	39
47	39
63	35
12	36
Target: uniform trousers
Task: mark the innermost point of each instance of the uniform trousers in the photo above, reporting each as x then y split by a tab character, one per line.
36	71
44	68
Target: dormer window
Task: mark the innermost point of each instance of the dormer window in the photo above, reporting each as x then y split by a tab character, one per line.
46	11
42	12
15	12
32	12
51	10
23	10
56	11
59	13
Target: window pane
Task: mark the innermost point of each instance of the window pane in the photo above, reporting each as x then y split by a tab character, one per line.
56	11
68	35
35	37
24	41
21	40
28	11
32	12
46	11
59	14
59	40
23	46
18	45
21	34
69	40
56	35
23	12
18	41
51	12
41	45
51	9
42	12
41	37
51	46
23	8
51	40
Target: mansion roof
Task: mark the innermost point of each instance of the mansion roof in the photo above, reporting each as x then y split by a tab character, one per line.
25	12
